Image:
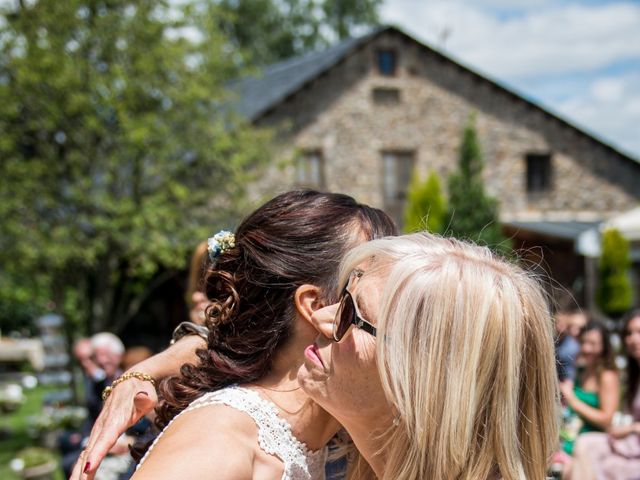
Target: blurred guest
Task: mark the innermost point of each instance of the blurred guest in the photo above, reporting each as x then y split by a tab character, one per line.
592	399
119	465
195	297
70	442
616	455
100	358
83	353
107	352
135	355
577	321
567	345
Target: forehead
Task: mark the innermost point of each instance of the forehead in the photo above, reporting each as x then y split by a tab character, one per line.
578	318
634	324
592	335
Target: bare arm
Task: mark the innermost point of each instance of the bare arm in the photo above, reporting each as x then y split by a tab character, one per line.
130	401
621	432
609	396
168	362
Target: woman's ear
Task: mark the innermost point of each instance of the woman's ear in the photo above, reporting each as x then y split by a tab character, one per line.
308	299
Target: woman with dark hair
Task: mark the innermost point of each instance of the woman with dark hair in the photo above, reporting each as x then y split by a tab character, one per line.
195	298
593	398
616	455
238	412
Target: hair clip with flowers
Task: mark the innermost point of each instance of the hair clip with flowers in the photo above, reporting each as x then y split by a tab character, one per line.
221	242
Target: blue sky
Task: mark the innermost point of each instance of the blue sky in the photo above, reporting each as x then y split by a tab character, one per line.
579	58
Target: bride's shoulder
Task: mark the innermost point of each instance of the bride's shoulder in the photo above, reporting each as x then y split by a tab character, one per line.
212	441
215	421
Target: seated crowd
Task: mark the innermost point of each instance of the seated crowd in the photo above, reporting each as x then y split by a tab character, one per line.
600	434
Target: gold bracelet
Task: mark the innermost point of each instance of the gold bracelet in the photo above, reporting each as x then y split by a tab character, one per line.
139	375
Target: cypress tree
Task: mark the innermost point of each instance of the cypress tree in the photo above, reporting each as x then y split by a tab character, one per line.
426	205
472	214
614	294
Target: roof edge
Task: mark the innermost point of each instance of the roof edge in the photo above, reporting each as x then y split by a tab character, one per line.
513	92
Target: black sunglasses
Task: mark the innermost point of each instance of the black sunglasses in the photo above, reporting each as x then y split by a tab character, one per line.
347	315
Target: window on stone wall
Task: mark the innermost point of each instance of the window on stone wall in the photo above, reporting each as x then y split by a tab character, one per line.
385	96
539	172
310	169
397	168
386	62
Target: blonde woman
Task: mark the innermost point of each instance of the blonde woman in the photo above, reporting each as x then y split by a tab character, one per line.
450	372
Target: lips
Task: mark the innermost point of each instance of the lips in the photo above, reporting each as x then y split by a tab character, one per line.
313	354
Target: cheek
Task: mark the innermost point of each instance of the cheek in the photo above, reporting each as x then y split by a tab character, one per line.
354	376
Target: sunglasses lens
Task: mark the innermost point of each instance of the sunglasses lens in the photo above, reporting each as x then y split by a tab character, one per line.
345	317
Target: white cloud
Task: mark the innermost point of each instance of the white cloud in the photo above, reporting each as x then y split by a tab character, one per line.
514	4
552	40
611	108
608	89
558	50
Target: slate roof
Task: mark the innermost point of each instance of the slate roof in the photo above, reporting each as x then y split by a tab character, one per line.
256	95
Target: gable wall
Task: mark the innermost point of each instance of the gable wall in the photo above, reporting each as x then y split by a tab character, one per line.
336	114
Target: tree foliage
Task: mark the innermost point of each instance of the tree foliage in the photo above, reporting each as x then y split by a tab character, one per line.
614	294
345	16
116	154
426	205
473	215
267	31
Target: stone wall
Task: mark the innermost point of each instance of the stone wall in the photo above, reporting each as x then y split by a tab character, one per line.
336	115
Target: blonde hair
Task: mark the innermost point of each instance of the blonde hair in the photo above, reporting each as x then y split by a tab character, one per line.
465	354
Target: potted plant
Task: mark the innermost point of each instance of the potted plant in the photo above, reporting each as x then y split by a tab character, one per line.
35	463
11	397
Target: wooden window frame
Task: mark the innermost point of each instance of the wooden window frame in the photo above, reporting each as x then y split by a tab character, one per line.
303	162
378	57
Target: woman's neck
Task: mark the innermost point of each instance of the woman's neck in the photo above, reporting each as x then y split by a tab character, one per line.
310	423
590	371
369	432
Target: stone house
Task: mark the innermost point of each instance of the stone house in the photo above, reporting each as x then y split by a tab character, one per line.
362	115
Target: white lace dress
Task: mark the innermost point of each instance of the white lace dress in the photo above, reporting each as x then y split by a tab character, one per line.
274	433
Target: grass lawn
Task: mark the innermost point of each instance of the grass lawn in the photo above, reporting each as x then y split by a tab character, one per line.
18	438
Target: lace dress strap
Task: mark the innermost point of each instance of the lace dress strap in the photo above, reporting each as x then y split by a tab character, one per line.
274	433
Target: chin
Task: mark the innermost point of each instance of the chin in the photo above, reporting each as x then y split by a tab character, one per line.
311	386
305	378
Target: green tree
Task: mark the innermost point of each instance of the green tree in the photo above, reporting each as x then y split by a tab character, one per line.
267	31
473	214
614	294
426	205
116	156
346	16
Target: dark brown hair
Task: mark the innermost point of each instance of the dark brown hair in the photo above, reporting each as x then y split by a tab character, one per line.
607	357
633	366
296	238
196	272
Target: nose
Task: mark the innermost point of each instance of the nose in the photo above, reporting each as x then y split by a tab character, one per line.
323	319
